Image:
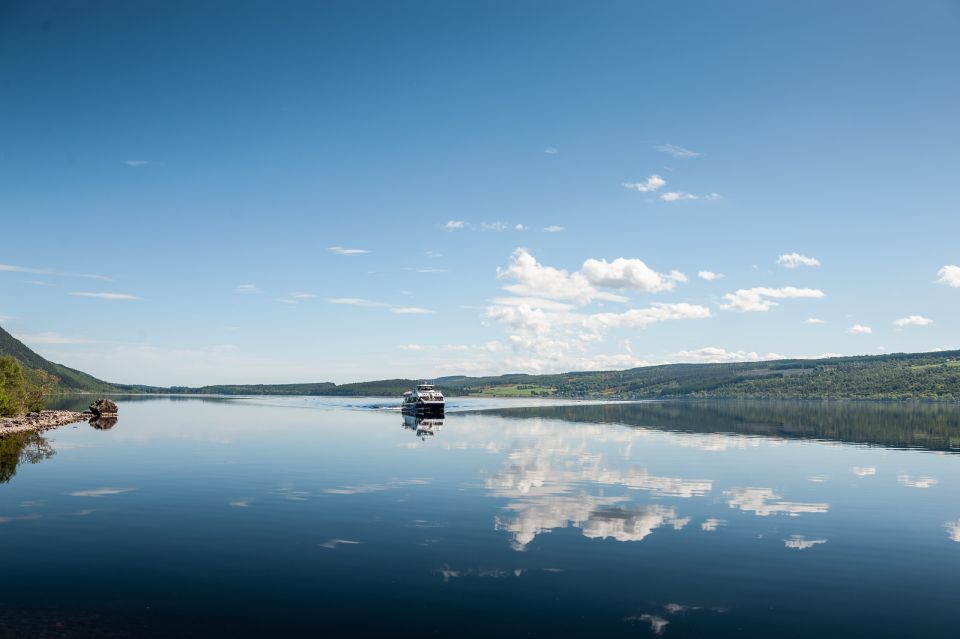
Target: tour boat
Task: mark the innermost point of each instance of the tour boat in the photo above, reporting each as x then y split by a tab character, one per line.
425	399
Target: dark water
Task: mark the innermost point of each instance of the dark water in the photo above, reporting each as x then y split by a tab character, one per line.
316	517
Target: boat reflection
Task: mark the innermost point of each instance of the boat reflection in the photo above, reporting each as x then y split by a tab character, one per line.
423	426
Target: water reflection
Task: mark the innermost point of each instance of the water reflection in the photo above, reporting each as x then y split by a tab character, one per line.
423	426
103	423
905	425
31	448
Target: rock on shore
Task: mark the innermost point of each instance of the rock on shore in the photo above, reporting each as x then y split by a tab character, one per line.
39	421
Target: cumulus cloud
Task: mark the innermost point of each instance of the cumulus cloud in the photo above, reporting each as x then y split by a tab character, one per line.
454	225
949	275
105	296
860	329
339	250
814	320
548	332
554	229
709	275
677	196
913	320
632	274
795	260
761	298
649	185
677	151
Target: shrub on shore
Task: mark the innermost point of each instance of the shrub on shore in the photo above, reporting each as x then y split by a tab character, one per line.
22	391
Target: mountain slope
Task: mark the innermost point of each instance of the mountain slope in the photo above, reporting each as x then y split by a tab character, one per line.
71	380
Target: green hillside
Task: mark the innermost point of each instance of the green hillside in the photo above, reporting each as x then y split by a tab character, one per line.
71	380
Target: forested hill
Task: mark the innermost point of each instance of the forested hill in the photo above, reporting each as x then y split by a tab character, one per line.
889	377
897	376
71	380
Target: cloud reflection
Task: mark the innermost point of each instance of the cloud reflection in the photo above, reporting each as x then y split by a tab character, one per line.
798	542
764	502
953	529
916	482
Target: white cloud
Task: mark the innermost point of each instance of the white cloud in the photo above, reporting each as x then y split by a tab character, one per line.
814	320
283	300
677	196
136	162
798	542
339	250
551	150
554	229
412	347
913	320
355	301
105	296
652	183
520	227
547	332
860	329
358	301
795	260
677	151
917	482
709	275
49	338
299	295
758	298
7	318
13	268
949	275
712	354
410	310
494	226
247	288
535	279
632	274
454	225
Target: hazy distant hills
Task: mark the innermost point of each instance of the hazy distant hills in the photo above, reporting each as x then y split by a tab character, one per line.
900	376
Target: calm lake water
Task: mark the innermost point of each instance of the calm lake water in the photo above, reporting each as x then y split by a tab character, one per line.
320	517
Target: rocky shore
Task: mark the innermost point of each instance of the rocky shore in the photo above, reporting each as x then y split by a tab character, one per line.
43	420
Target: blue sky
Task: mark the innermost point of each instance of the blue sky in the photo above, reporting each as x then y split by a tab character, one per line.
283	192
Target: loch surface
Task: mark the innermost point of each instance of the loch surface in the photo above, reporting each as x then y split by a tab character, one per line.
306	517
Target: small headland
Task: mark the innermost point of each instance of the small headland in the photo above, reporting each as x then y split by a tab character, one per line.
102	415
